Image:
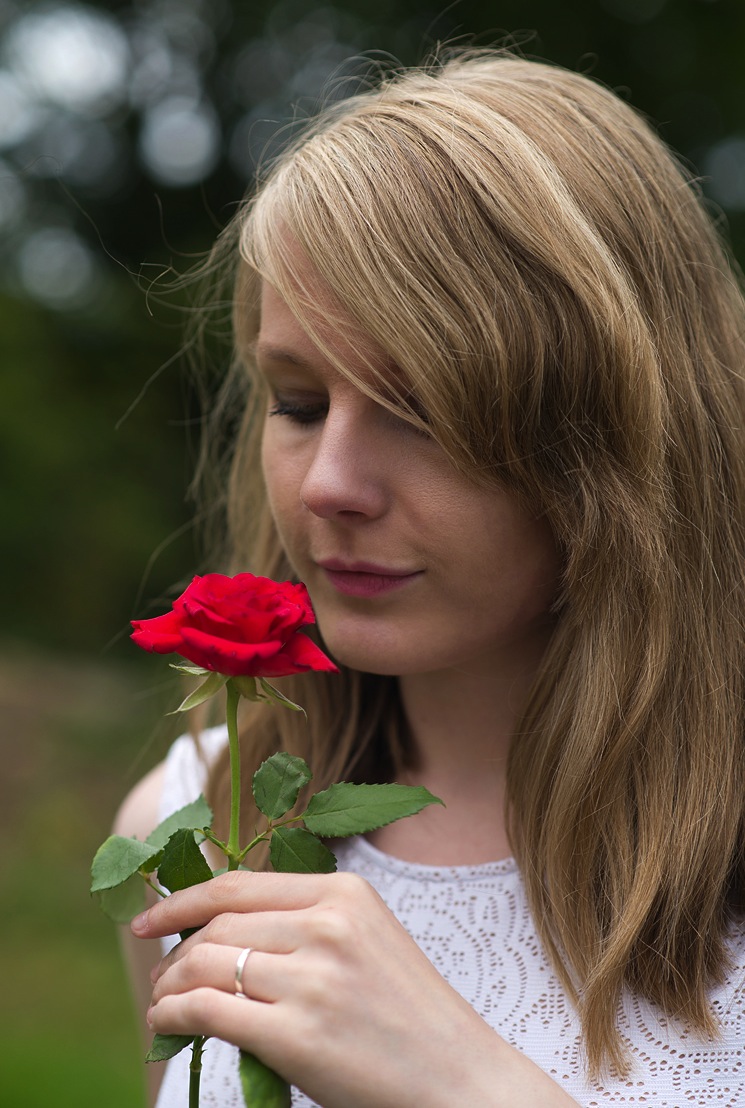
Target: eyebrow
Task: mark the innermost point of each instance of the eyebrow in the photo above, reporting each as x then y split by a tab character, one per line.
279	354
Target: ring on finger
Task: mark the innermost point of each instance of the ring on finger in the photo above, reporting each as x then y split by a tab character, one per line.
240	965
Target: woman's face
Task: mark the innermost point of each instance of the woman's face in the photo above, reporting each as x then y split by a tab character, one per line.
411	567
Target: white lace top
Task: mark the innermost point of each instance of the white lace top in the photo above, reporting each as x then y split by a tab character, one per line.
474	924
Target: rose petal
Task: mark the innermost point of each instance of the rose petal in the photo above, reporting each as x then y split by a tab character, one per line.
240	626
159	635
237	659
197	610
285	621
257	607
210	587
298	655
300	596
263	588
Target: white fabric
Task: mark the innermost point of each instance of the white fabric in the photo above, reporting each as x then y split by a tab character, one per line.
474	924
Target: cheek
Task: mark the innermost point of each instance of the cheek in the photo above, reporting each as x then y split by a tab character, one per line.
537	569
519	556
268	467
282	480
276	472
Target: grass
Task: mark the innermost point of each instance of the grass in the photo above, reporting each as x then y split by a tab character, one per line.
74	734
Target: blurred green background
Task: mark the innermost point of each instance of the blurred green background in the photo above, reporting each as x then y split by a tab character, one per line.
127	133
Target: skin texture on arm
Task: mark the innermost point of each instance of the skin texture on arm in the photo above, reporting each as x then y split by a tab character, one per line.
335	986
136	818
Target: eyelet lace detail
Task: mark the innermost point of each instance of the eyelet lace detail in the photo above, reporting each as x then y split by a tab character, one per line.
474	925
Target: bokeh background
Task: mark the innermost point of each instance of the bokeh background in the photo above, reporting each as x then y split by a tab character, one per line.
128	131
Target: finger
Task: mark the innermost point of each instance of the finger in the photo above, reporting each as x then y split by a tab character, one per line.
273	932
238	891
215	1013
261	977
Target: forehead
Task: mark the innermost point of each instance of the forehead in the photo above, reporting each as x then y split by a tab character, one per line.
314	332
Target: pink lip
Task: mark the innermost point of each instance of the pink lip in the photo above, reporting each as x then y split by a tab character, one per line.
365	578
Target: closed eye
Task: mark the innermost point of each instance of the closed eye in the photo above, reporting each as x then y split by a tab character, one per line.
297	412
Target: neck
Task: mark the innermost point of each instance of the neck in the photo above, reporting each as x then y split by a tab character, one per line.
462	722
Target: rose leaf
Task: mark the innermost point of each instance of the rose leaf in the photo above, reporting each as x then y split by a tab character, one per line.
293	850
122	903
167	1046
117	859
262	1086
348	809
208	688
195	816
269	694
277	782
183	863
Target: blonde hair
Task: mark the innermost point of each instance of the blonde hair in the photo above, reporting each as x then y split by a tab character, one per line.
527	251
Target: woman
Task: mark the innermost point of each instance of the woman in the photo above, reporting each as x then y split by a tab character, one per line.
497	351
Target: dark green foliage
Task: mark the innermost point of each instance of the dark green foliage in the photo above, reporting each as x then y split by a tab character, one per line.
167	1046
277	782
293	850
262	1086
183	863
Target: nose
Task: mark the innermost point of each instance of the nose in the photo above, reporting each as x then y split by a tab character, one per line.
346	476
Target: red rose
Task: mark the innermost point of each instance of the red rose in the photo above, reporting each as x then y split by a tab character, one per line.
242	626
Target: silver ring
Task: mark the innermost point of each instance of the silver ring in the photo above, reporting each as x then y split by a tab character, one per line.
240	965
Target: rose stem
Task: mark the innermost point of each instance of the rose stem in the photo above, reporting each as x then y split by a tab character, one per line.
195	1071
231	712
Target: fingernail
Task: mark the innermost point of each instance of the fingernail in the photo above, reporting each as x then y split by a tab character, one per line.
139	923
148	1016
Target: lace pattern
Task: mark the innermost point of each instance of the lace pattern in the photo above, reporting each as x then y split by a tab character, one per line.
473	923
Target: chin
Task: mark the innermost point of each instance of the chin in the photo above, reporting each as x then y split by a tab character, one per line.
366	653
386	657
364	660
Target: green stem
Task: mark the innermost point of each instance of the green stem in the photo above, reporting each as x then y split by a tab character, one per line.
265	835
195	1070
254	842
234	845
151	884
221	846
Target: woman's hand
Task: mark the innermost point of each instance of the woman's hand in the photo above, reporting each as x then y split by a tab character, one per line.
341	1001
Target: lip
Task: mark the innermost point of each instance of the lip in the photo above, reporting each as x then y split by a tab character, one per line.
366	579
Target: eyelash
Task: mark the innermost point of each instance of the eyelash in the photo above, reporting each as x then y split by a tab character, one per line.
303	414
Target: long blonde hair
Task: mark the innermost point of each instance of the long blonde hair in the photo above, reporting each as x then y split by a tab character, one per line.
546	277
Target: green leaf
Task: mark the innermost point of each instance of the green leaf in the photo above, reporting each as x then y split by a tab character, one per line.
277	782
167	1046
293	850
190	671
195	816
262	1087
117	859
269	693
208	688
183	863
346	809
122	903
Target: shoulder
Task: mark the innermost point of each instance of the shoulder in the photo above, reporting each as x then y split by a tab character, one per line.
139	811
176	781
